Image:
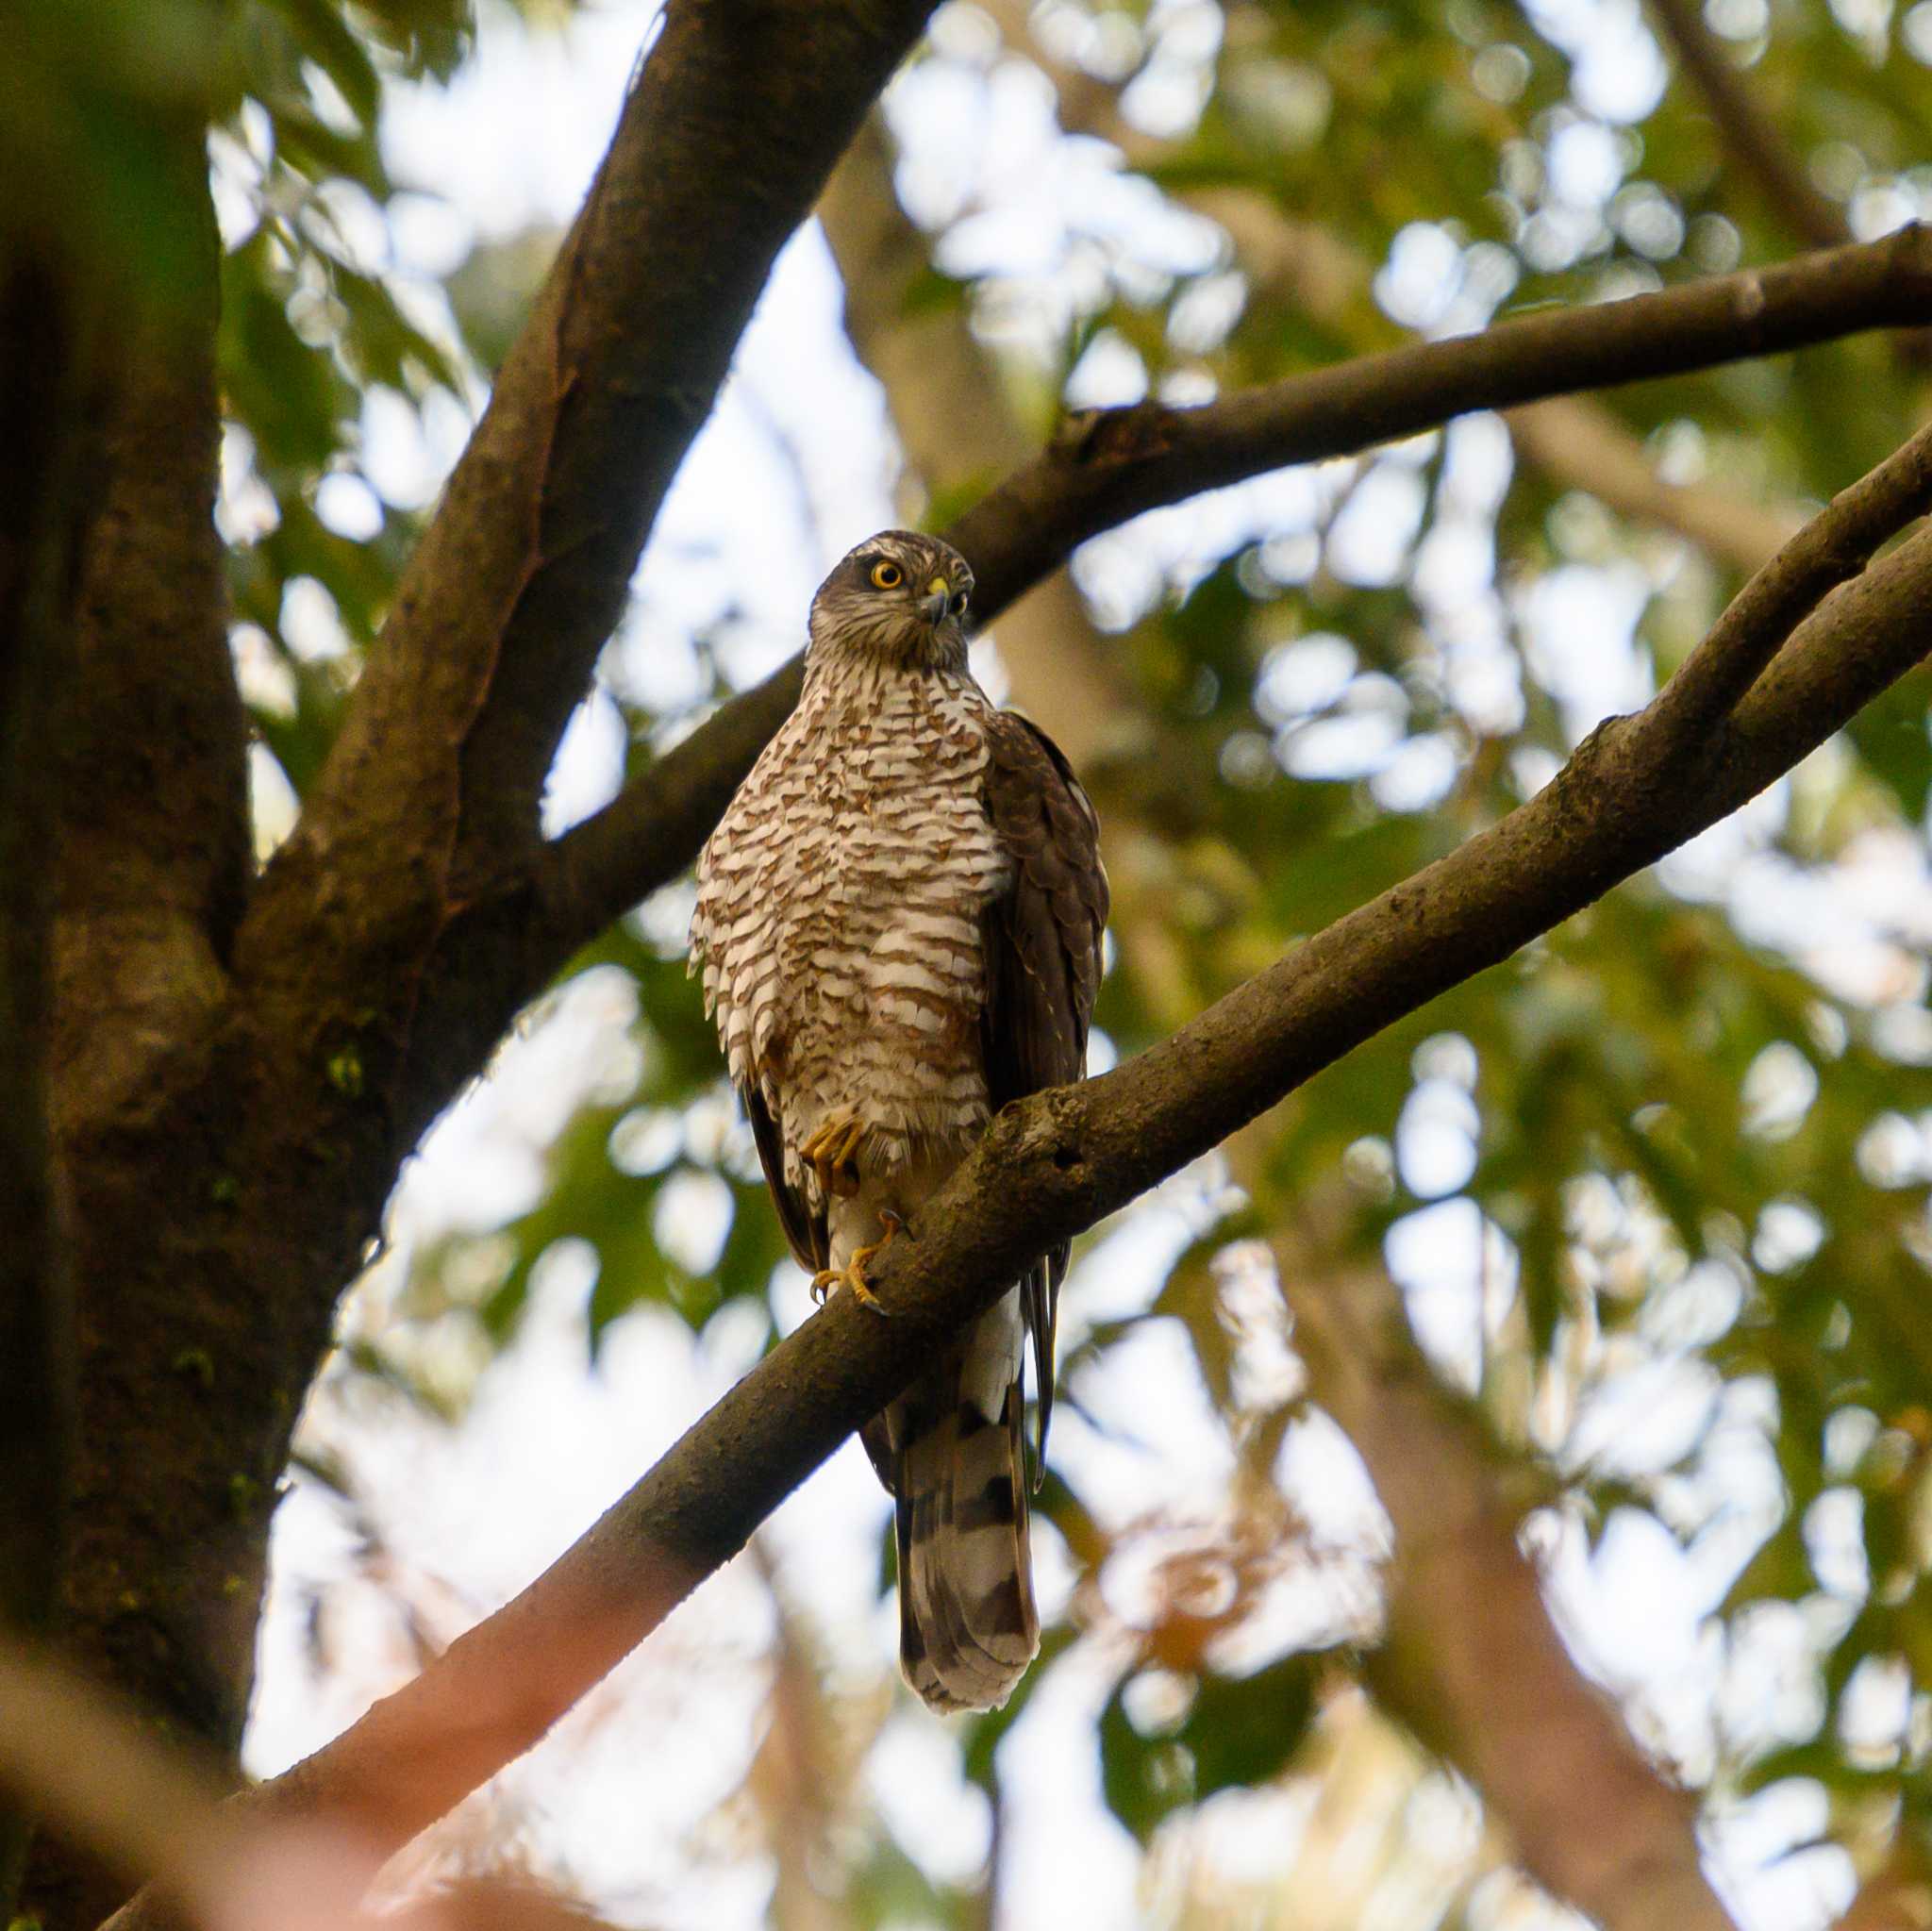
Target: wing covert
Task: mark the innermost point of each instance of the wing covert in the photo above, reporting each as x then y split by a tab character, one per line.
1042	959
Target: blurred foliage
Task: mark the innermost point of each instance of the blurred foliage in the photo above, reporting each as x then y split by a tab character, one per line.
1238	1733
1695	1124
317	316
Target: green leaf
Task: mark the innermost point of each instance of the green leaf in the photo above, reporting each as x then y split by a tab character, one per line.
1238	1733
325	37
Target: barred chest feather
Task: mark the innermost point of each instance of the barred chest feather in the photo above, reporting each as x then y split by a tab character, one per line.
840	907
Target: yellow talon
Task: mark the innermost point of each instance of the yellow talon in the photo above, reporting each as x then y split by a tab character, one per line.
832	1154
852	1275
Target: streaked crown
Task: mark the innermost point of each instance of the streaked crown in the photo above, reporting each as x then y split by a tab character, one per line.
899	597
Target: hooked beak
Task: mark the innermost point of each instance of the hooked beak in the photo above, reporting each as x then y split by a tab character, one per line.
933	606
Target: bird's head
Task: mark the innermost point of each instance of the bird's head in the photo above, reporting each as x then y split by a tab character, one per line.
899	598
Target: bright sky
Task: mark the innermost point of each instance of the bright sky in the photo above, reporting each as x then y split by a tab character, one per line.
796	464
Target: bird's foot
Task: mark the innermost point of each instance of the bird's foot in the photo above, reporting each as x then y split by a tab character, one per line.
832	1154
852	1275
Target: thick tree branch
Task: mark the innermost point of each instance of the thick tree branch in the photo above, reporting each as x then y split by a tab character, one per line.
387	940
149	855
1470	1660
737	116
1052	1165
385	948
1112	464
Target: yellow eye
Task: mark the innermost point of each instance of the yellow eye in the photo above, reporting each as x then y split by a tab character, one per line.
887	576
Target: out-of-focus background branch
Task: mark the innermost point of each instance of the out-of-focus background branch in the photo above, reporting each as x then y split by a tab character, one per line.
1469	1660
1307	267
153	1814
1750	135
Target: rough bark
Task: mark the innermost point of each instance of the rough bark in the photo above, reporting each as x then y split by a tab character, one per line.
147	860
1052	1165
42	355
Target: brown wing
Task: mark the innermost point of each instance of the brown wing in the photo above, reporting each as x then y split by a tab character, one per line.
1042	959
805	1229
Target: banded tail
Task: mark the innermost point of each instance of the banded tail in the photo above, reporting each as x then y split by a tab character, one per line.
968	1627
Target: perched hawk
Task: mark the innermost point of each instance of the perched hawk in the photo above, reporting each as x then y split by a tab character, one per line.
898	922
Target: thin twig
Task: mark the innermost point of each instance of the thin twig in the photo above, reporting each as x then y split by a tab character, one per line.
1830	550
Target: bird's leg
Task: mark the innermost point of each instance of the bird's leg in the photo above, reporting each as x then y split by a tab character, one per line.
852	1274
832	1154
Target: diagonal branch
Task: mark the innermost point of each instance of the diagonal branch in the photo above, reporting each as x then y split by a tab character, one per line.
1828	551
1052	1165
737	116
1470	1660
1108	465
1111	464
396	914
384	948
